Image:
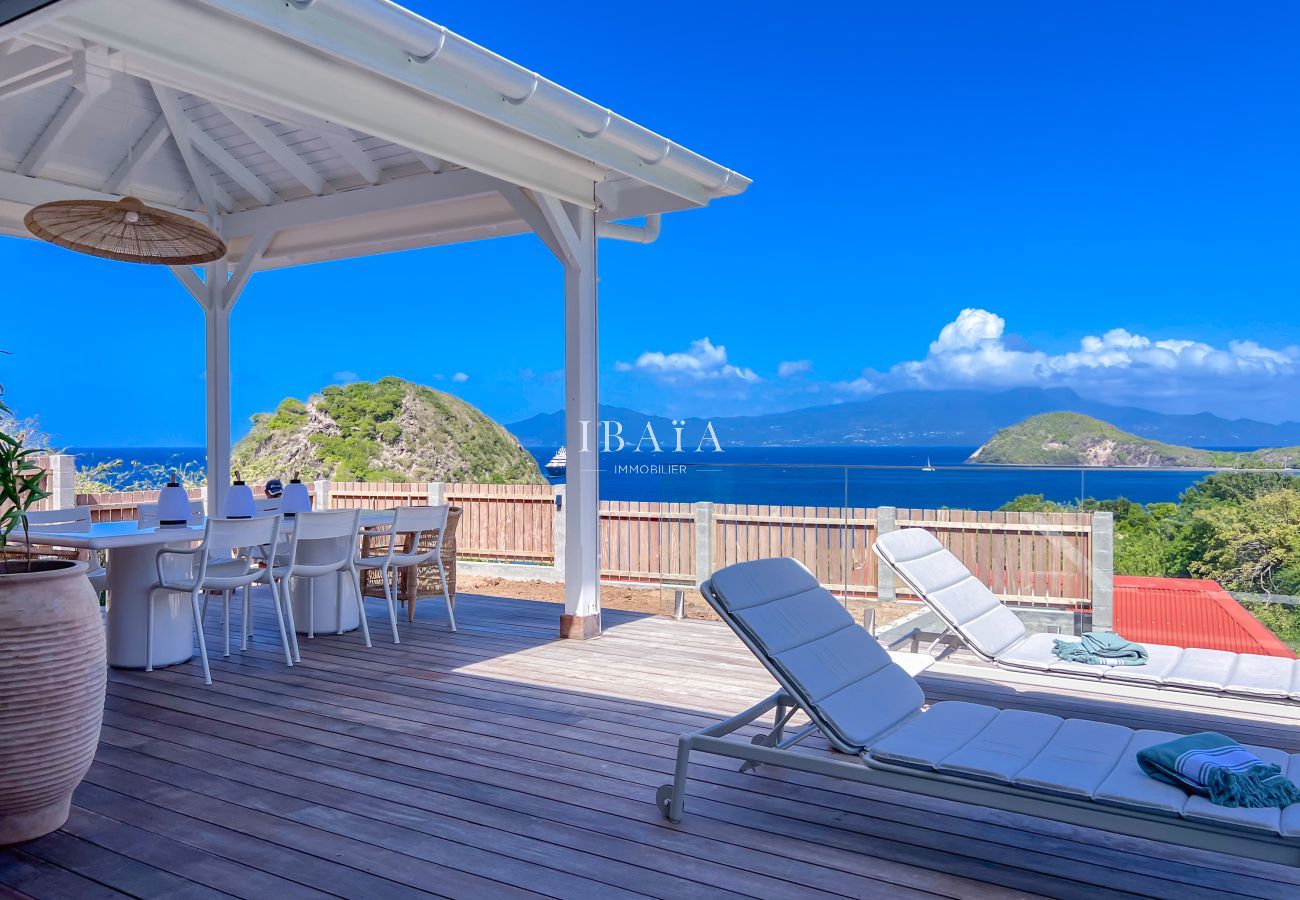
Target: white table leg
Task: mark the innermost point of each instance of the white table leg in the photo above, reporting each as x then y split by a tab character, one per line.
317	605
131	572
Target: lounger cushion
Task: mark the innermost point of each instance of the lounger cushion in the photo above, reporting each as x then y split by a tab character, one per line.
950	590
1261	676
1290	820
1266	819
844	675
1005	746
1077	759
994	631
1206	670
926	739
1160	662
908	544
1035	653
1127	785
1295	682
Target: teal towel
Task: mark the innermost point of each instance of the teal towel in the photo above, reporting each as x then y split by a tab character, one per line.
1101	648
1219	768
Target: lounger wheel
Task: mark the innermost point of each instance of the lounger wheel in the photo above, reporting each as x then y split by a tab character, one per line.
664	800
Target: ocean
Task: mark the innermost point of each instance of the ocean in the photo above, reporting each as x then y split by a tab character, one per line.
811	476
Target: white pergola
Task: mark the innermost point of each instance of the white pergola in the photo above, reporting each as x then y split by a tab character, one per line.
313	130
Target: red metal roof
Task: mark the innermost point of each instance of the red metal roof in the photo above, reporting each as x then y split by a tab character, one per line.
1187	612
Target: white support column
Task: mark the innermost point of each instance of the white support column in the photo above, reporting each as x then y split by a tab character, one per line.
217	293
570	233
217	318
581	617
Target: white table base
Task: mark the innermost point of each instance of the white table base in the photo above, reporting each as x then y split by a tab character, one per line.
131	572
321	596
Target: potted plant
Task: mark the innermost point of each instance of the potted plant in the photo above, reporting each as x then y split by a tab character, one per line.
52	664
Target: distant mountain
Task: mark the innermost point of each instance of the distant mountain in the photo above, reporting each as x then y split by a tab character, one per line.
930	418
1071	439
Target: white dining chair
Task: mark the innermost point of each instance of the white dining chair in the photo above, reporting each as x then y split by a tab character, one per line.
75	519
329	537
407	548
220	563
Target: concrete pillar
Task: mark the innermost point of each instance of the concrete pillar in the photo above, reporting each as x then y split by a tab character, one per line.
437	493
321	488
886	584
1103	571
61	481
703	542
559	530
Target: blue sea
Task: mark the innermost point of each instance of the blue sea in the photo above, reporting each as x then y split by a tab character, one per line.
812	476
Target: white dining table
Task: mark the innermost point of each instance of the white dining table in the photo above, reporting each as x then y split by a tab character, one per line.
132	572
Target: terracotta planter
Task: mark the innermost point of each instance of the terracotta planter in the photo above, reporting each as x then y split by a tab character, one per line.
52	677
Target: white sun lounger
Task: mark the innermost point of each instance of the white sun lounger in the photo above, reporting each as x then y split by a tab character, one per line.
994	633
1071	770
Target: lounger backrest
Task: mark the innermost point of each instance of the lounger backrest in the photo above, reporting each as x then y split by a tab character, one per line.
842	677
949	588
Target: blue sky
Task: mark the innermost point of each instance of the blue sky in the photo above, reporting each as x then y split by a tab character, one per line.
1109	190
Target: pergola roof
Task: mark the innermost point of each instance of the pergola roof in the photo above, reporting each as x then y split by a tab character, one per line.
312	129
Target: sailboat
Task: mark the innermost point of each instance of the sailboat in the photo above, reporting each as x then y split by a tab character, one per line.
927	467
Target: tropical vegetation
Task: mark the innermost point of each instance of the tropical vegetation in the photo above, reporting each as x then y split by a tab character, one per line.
1241	529
387	430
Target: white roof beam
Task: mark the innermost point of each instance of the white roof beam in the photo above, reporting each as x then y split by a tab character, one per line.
346	146
189	47
223	160
432	163
93	79
27	191
150	142
27	67
531	213
277	149
416	190
248	261
210	193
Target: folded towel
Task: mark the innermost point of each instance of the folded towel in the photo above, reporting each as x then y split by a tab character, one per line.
1219	768
1101	648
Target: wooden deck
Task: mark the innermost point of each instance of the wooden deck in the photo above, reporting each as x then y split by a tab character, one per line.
500	762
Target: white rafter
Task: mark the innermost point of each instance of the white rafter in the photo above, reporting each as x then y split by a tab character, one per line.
262	135
346	146
220	157
213	197
93	79
25	68
432	163
144	149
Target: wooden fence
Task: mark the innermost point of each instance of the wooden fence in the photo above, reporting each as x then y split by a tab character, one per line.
1038	558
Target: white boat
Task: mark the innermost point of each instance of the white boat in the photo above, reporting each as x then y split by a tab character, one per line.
558	462
927	467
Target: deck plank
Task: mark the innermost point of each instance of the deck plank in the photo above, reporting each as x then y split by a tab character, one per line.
499	761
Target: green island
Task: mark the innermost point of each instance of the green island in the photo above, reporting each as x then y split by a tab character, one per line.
387	430
1073	439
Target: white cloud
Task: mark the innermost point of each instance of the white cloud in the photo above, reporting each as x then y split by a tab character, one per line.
703	361
791	368
346	377
975	351
460	378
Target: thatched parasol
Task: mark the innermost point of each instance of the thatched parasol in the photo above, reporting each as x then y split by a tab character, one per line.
125	230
